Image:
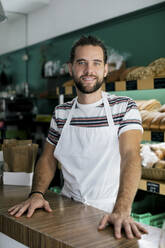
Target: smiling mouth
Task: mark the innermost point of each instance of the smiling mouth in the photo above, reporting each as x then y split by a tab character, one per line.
88	78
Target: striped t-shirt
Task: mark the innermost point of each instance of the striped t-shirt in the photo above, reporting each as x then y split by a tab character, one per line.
124	112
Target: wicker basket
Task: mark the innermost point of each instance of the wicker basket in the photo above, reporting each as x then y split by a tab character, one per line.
153	173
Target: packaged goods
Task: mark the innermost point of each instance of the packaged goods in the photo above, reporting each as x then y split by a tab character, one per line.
19	155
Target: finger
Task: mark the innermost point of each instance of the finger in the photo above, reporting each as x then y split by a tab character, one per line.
117	229
103	222
31	211
47	207
136	230
21	210
141	228
128	229
14	210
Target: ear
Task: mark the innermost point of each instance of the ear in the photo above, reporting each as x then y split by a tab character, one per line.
105	70
70	68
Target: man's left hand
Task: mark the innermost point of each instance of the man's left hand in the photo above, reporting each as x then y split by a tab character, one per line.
132	229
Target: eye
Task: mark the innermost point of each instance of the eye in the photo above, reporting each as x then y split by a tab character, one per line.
97	63
81	62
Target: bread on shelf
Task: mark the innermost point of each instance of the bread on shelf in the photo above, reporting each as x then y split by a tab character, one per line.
152	154
162	108
162	124
156	121
152	114
141	72
158	66
149	105
160	164
147	119
123	75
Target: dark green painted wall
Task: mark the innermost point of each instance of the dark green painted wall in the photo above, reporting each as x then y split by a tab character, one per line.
141	34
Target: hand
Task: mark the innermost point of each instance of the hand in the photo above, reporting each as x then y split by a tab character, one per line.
119	221
30	205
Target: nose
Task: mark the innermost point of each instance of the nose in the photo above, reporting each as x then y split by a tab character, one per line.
89	69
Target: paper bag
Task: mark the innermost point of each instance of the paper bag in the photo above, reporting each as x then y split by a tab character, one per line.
19	155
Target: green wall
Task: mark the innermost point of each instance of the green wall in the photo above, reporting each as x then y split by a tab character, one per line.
140	34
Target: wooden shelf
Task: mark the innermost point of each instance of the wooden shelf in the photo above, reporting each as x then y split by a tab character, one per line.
145	84
153	186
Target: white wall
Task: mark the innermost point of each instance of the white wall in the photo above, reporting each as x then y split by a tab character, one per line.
12	34
63	16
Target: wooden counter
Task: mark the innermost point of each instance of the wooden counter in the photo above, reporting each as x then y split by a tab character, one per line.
71	224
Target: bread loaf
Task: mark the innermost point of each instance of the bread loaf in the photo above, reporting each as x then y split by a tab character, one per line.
147	119
149	158
140	73
123	75
160	164
149	105
139	104
159	149
155	123
158	66
160	154
162	124
144	113
162	108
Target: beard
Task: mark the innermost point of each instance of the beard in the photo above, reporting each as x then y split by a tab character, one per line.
87	89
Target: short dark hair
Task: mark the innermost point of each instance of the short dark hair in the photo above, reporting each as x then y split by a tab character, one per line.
88	40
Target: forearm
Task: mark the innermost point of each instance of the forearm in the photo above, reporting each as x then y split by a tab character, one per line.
129	181
44	171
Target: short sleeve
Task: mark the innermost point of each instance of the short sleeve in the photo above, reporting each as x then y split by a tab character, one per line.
53	132
131	119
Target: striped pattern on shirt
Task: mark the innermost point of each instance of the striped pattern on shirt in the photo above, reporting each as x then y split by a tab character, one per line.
124	112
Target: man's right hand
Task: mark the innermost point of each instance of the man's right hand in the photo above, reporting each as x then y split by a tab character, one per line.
30	205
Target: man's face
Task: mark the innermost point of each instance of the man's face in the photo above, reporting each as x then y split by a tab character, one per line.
88	69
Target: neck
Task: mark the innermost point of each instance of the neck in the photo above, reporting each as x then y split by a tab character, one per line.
89	98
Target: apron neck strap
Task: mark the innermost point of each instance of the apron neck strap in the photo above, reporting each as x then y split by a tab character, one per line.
107	109
71	112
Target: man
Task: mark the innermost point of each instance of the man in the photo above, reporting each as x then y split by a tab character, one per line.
96	137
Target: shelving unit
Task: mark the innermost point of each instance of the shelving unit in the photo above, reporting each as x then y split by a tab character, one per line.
145	84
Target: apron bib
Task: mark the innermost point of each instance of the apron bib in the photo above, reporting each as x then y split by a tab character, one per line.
90	161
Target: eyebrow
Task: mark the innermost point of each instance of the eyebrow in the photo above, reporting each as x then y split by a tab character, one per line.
96	60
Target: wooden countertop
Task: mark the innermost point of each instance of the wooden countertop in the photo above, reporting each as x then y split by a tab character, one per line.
71	224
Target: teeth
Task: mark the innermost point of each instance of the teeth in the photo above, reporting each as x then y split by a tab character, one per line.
88	78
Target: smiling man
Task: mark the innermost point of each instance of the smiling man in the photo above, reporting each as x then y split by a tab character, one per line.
88	69
96	137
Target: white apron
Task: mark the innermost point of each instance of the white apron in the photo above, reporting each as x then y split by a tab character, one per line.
90	161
